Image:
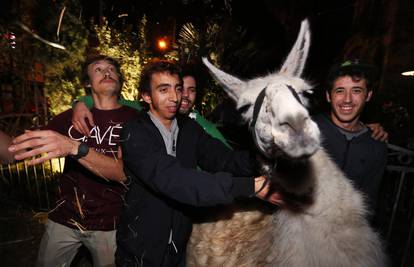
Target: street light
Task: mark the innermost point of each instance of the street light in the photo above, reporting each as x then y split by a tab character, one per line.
408	73
162	44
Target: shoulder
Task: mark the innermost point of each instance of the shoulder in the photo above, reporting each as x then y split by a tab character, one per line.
130	110
326	126
322	120
189	127
365	144
61	120
375	143
139	123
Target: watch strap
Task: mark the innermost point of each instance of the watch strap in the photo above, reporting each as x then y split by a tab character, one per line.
83	150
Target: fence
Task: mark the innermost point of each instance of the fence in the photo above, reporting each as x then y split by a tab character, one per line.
397	209
32	186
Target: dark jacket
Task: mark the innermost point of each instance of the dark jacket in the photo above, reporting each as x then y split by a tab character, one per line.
363	159
163	189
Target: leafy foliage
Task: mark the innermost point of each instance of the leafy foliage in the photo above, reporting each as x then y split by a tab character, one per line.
118	45
224	44
62	67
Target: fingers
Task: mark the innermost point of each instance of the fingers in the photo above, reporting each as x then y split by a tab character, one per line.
276	199
47	157
81	126
21	155
90	118
380	134
84	127
30	135
36	143
264	191
81	113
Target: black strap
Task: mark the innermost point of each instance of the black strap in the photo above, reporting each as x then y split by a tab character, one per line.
259	102
257	105
294	93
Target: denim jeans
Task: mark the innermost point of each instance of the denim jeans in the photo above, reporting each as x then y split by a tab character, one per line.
60	244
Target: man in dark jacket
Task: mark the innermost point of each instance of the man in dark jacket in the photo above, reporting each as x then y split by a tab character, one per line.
161	153
345	137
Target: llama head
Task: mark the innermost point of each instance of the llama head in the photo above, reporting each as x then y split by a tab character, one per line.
274	105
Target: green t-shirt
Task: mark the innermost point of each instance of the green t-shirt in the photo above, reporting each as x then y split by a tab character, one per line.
207	125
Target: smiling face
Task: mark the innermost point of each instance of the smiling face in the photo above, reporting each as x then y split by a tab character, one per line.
103	78
165	96
189	95
348	97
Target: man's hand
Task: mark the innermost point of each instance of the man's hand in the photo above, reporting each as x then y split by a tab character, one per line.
378	132
80	114
262	191
5	142
35	143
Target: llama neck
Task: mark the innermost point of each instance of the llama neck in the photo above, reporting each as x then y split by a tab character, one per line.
295	180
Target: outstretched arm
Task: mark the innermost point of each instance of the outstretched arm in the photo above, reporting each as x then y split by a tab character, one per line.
55	145
5	155
147	161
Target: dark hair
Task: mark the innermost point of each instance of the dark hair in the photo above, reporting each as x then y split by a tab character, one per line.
85	79
157	66
189	70
354	68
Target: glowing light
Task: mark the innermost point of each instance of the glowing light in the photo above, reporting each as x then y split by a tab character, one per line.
408	73
162	44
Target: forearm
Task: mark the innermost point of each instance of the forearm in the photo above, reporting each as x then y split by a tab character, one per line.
164	174
109	168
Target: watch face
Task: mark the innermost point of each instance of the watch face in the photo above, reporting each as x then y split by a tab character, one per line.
83	150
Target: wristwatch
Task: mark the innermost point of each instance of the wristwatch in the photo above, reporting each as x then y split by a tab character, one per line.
83	150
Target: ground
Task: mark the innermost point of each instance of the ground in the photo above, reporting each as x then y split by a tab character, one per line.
20	233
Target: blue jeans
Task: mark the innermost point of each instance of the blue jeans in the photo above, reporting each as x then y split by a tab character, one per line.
60	244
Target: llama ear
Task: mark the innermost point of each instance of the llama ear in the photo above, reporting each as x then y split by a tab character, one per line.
295	62
232	85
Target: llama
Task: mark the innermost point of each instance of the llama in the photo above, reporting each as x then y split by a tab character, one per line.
323	222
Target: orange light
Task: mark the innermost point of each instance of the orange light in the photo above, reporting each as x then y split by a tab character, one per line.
162	44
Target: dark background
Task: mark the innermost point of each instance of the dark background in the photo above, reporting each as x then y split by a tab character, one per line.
378	32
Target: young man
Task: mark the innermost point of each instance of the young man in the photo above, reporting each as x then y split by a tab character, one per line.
188	99
89	206
162	150
189	95
348	140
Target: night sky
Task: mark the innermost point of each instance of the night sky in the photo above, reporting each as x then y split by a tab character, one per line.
330	22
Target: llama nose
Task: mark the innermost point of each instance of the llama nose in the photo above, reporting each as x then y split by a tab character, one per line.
296	123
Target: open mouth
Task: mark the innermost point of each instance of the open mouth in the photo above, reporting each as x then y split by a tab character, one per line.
346	109
185	102
172	109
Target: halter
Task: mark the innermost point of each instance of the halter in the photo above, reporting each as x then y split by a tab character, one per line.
259	102
257	105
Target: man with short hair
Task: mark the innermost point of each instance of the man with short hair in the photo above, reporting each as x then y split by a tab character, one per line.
161	152
345	137
90	190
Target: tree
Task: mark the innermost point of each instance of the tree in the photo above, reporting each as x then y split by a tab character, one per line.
117	44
